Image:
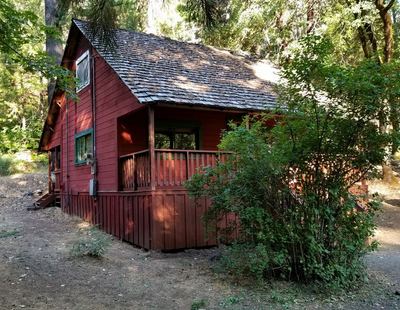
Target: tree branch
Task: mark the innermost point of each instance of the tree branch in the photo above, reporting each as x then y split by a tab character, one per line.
389	5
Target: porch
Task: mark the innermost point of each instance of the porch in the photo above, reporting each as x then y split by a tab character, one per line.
171	168
160	148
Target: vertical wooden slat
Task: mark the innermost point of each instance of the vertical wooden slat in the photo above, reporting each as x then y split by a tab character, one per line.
180	221
131	218
170	172
121	217
125	233
117	209
151	149
75	205
190	222
102	213
157	238
182	166
113	215
91	211
146	223
169	222
84	208
165	169
109	218
157	155
135	214
175	169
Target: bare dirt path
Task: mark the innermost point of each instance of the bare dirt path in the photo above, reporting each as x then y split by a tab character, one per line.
38	272
387	259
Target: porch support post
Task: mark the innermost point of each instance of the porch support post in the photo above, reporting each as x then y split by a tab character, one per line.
151	149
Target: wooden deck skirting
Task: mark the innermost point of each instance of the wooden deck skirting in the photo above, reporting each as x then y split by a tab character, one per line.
157	220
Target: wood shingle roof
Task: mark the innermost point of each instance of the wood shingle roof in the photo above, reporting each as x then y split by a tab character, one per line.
158	69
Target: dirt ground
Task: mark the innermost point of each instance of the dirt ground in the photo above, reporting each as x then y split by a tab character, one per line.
37	270
387	259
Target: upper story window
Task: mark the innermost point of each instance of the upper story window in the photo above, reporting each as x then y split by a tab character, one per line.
82	71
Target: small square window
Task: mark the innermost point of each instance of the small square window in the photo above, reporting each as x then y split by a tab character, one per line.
83	146
82	71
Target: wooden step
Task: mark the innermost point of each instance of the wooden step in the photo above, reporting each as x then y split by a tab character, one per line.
43	202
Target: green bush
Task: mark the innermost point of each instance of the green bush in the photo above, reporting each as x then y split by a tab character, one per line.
10	233
290	185
92	242
11	164
198	304
7	165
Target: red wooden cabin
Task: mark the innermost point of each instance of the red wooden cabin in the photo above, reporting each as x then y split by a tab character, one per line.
149	115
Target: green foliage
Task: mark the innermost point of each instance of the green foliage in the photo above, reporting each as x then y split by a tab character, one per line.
291	185
92	242
198	304
12	163
24	68
265	28
273	27
132	14
230	300
8	233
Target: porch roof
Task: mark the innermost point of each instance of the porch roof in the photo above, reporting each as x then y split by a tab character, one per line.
158	69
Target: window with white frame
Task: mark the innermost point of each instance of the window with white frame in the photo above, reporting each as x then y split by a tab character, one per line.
82	71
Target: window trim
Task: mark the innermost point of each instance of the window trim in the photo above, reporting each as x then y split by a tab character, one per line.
78	61
80	135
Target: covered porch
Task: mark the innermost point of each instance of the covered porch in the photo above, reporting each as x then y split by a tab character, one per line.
162	147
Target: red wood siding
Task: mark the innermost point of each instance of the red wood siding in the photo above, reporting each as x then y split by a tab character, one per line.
127	217
113	99
133	132
56	137
212	123
161	220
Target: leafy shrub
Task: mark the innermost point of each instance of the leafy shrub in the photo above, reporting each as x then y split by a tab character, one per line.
8	233
92	242
7	165
290	184
198	304
11	163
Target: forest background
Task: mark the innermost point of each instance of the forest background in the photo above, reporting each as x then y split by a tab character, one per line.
33	32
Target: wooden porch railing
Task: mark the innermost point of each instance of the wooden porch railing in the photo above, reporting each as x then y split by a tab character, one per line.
172	167
135	170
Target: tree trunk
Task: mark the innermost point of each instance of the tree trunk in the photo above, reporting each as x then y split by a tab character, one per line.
387	27
54	47
310	16
395	28
388	35
364	42
387	23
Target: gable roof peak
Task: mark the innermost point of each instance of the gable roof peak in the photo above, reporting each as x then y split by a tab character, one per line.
160	69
